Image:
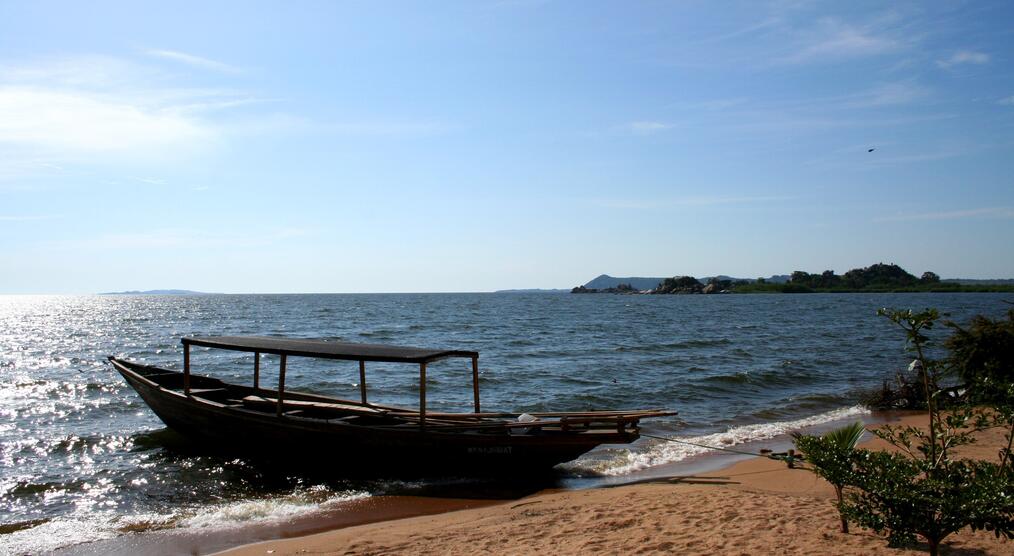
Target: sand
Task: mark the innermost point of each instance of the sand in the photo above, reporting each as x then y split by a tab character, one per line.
762	507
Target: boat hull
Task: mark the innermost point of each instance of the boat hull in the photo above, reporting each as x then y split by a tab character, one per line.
355	449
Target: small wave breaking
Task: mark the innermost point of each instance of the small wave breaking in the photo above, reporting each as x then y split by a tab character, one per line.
659	452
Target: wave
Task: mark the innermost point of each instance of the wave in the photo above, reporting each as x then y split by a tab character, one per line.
684	344
50	535
783	376
659	452
244	512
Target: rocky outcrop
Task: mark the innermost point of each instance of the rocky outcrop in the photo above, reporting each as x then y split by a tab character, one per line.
622	288
679	285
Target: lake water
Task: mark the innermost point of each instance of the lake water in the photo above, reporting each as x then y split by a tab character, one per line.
83	459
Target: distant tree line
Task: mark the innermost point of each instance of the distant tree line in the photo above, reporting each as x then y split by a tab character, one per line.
878	276
620	288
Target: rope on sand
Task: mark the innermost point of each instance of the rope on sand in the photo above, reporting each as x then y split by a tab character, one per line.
791	457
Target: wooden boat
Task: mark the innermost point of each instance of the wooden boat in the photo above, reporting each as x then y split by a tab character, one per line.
357	434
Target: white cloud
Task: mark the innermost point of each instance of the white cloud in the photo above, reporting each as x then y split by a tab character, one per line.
1009	101
192	60
83	122
964	57
77	107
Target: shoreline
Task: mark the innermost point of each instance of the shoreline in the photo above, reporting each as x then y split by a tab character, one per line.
365	511
430	500
748	506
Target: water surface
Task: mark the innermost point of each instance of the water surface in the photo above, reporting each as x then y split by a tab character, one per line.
83	459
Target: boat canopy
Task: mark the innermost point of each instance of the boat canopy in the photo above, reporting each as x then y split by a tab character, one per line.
327	350
284	347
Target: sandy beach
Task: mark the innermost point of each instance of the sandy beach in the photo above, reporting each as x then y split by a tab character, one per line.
751	507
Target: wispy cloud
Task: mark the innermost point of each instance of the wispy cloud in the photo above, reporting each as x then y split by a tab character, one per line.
83	71
964	57
984	212
76	107
715	104
192	60
14	168
278	122
690	201
1009	101
891	94
179	238
808	122
645	127
81	122
394	128
834	39
25	217
763	25
151	181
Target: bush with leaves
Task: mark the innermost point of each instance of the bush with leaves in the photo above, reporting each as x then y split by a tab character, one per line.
830	457
983	356
922	490
896	493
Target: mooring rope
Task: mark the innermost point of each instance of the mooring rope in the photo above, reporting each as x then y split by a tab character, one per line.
791	457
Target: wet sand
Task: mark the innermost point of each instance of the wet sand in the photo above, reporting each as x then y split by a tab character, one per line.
754	506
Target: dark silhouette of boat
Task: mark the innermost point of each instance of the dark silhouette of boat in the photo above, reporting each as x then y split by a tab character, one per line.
357	435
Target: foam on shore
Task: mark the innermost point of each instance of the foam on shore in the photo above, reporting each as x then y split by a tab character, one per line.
659	452
85	527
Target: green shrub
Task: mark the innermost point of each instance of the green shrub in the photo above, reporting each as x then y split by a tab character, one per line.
830	456
923	491
901	495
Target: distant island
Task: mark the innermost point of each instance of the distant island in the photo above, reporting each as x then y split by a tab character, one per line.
156	292
879	277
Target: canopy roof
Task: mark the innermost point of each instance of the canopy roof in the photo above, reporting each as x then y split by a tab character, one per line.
327	350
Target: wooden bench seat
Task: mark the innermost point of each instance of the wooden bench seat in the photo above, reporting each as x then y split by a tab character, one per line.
197	391
260	402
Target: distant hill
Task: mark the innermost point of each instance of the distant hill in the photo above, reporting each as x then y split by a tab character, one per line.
879	277
155	292
605	282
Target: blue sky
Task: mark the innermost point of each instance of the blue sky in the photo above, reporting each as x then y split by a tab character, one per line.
367	146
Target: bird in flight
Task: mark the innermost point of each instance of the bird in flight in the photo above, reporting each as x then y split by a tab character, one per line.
871	150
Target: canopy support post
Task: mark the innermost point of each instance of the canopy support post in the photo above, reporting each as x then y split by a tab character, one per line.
281	384
422	395
186	370
362	380
257	370
475	382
